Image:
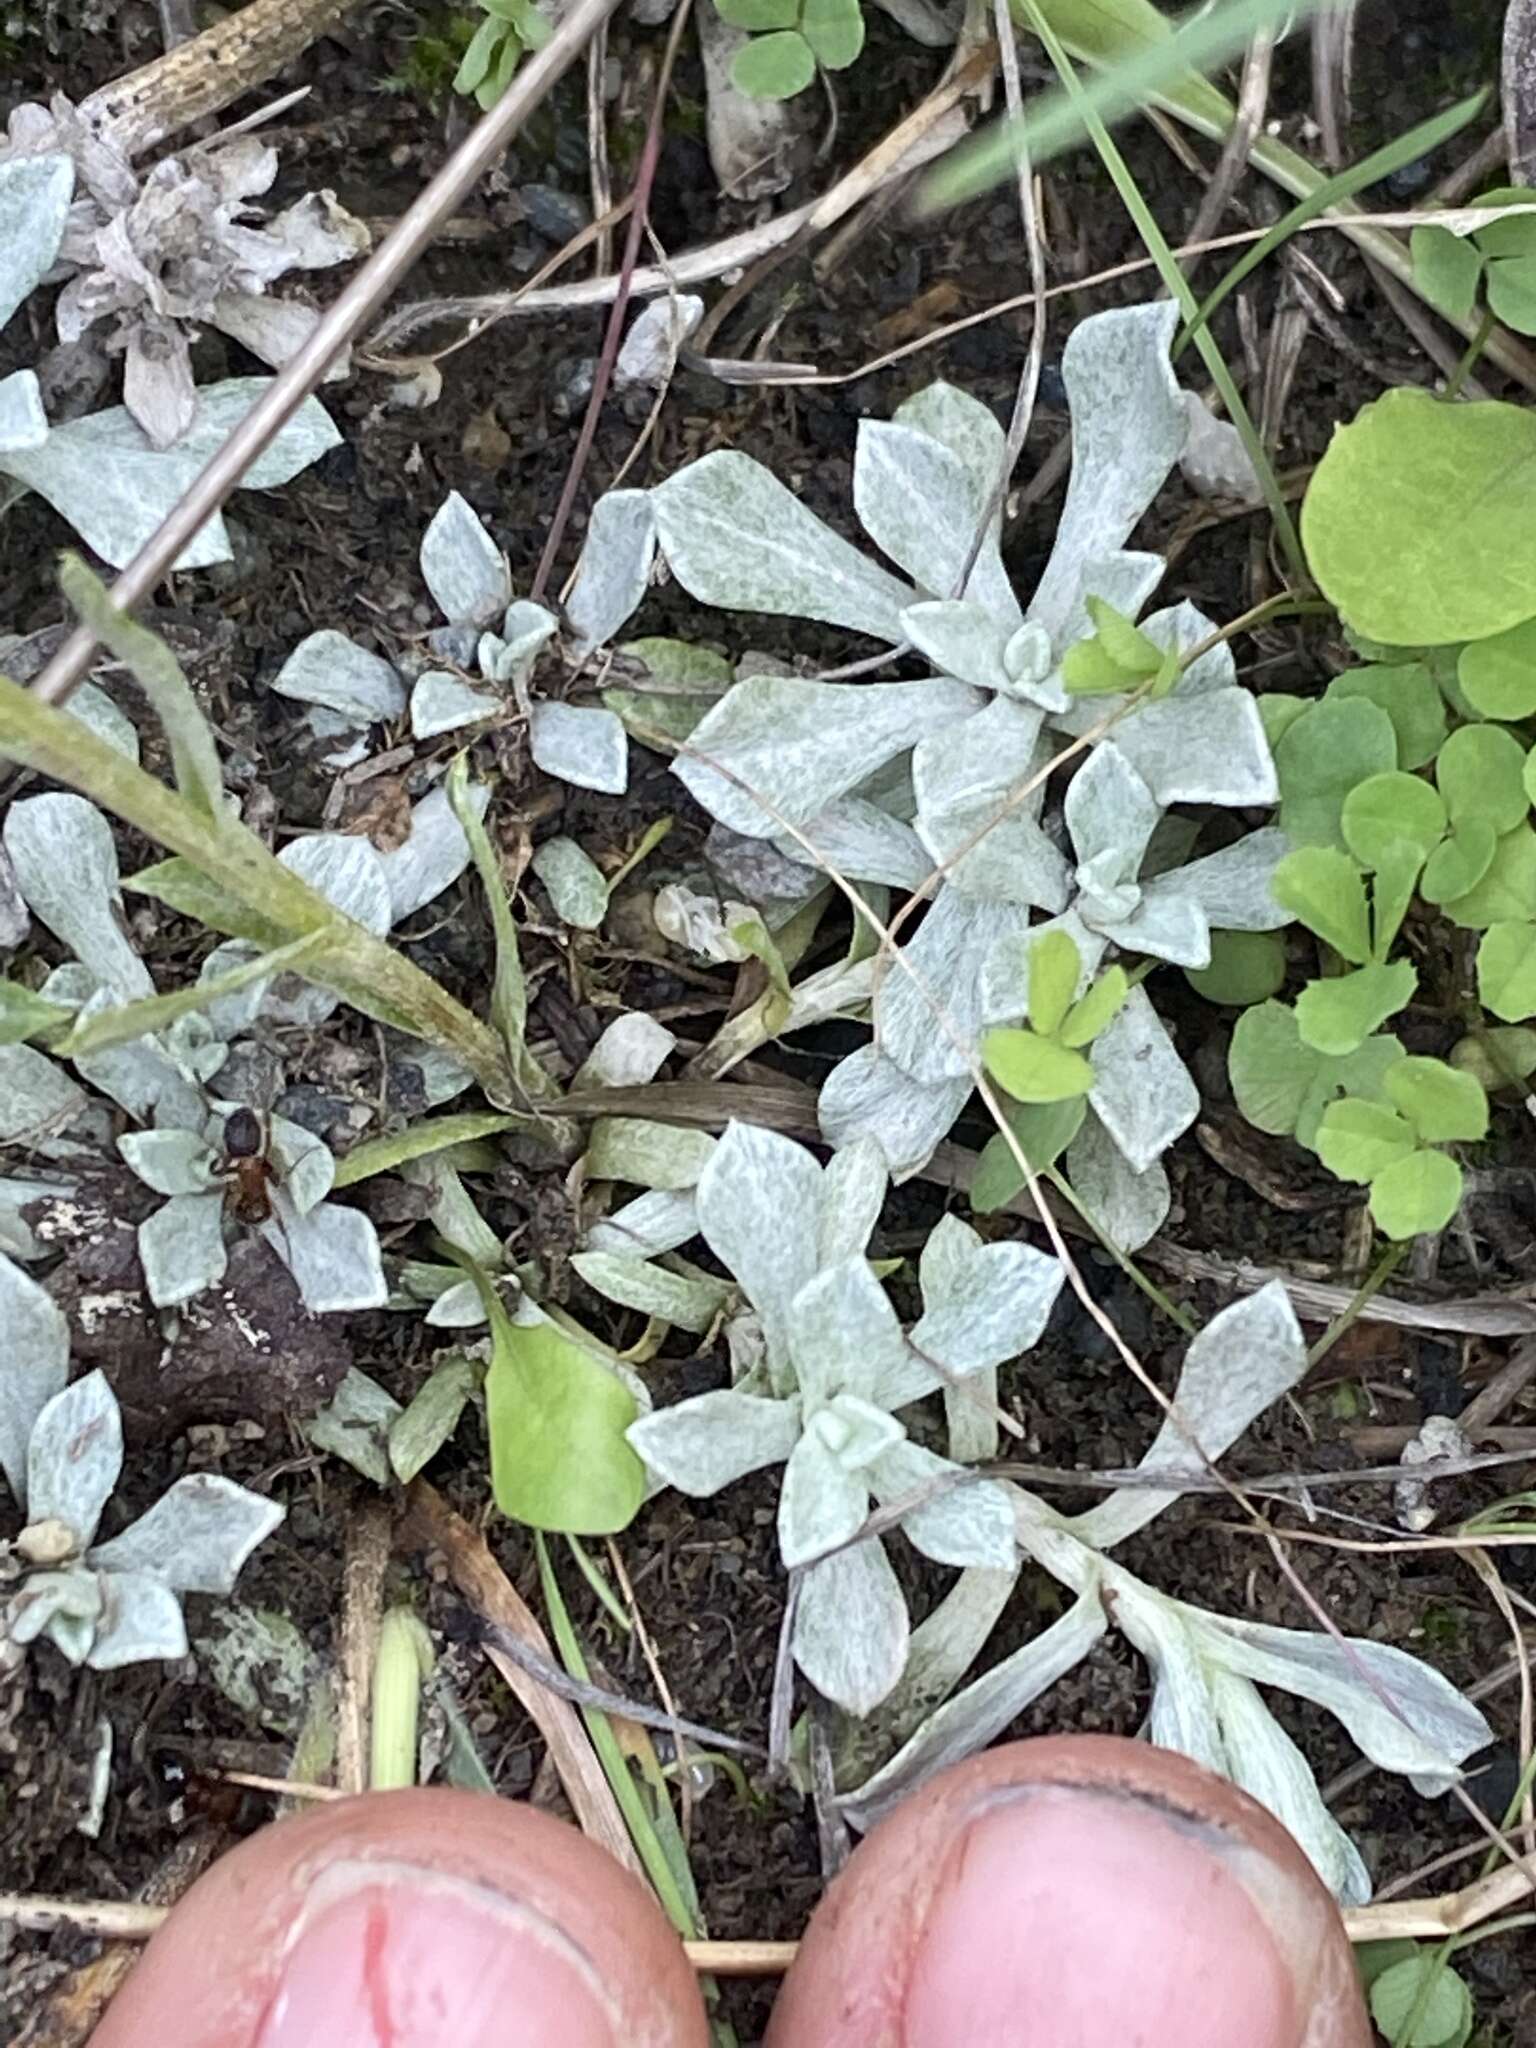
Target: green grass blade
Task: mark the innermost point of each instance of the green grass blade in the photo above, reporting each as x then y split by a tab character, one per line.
420	1141
1178	286
153	1013
1381	163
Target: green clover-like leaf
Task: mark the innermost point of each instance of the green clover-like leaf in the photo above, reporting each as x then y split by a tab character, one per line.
1507	891
1447	269
1044	1131
761	16
1416	1194
1501	1056
1442	1104
1387	811
1097	1009
1283	1085
1337	1016
1410	697
1506	970
1498	675
1356	1139
835	31
1321	757
1512	292
1480	773
774	67
1459	862
1325	889
1244	968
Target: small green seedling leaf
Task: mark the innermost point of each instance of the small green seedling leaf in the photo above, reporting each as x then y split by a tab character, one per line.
1283	1085
1387	811
1459	862
1481	774
1096	1010
1044	1131
475	65
1035	1069
1278	712
1326	891
1508	889
1409	695
1417	1194
1116	656
1512	292
1498	675
1503	1056
774	67
1506	970
1442	1105
1245	967
1447	269
1424	1984
761	16
1319	760
1338	1016
1055	966
1356	1139
835	31
1515	234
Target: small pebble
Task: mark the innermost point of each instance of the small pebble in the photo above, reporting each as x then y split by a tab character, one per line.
556	215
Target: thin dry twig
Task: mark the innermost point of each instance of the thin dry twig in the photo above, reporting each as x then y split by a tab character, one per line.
362	1606
1252	100
1333	39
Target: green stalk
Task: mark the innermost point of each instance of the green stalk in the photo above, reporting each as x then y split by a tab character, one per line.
1128	1266
1363	1295
401	1666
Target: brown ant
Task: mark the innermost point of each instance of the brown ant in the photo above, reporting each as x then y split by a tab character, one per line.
246	1167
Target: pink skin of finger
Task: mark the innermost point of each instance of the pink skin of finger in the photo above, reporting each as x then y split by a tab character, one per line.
1077	1890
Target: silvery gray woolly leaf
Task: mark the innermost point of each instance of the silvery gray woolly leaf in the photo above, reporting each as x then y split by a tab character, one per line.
736	537
1403	1714
74	1457
1109	808
960	639
629	1053
23	423
929	1009
1128	427
652	1155
983	1304
327	668
851	1627
36	1367
867	1095
170	1162
64	1606
458	1307
35	192
1264	1761
1232	887
649	352
354	1425
142	1077
263	1664
347	871
1215	462
655	1222
1142	1091
1247	1356
759	1201
1129	1207
842	1331
614	569
1203	749
922	505
98	714
853	1185
1005	978
1166	926
332	1253
104	476
303	1161
799	745
968	1522
37	1097
196	1536
973	815
442	702
577	886
688	1304
975	1717
858	841
821	1504
709	1442
66	867
141	1622
463	567
181	1248
581	744
969	429
433	854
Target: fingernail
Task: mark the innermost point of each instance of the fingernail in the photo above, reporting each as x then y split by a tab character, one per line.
391	1956
1069	1914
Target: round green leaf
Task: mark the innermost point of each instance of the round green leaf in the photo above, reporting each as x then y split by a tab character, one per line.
1035	1069
1512	292
1356	1139
1410	697
835	31
1245	967
1481	774
1516	234
1507	891
1446	269
1386	811
1506	970
1528	776
774	67
1418	523
1503	1056
1324	888
1459	862
1055	966
1446	2017
1321	757
1422	1192
1498	675
1044	1131
556	1419
1098	1008
475	64
1442	1103
1278	712
1337	1016
759	15
1283	1085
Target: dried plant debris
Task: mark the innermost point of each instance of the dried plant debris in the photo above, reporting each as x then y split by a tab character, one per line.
149	258
61	1450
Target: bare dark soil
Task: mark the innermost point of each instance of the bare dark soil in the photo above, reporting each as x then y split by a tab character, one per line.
338	548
